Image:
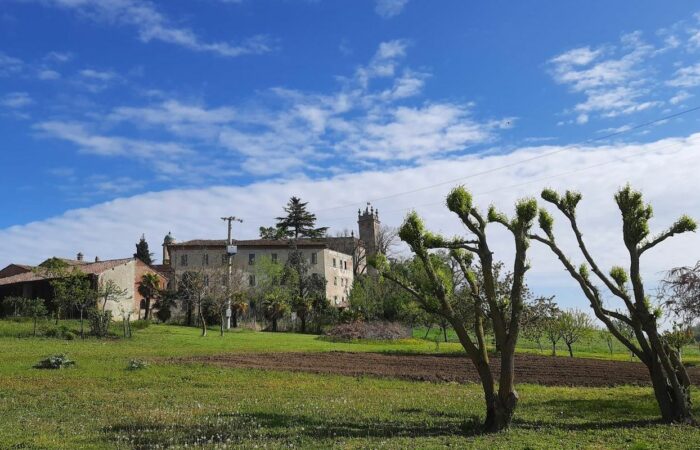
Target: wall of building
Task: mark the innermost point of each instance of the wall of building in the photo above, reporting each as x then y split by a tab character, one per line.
123	275
339	279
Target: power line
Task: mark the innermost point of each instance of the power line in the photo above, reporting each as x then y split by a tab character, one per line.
561	174
523	161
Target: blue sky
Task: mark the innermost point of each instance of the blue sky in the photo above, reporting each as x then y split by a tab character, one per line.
114	112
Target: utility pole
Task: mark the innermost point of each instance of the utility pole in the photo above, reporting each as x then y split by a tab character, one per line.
229	253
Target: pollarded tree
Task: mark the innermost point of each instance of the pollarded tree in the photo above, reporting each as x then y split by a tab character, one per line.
574	326
298	222
668	375
438	295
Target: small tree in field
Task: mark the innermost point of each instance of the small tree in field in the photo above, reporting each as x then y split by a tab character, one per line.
536	313
34	308
225	291
436	293
74	289
193	287
668	375
574	326
551	326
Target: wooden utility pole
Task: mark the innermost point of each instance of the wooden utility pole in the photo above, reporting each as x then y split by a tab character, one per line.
229	242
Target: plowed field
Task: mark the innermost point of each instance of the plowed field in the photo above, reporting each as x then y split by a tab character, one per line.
544	370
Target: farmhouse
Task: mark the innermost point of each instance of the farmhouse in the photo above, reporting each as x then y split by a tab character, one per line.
337	259
29	282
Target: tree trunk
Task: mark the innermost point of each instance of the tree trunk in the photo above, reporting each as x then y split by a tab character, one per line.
571	351
501	407
189	315
431	326
554	349
302	317
202	322
82	335
234	319
675	404
274	324
444	333
147	314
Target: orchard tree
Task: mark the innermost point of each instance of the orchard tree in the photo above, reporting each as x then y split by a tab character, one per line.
34	308
437	294
574	326
668	375
193	289
536	316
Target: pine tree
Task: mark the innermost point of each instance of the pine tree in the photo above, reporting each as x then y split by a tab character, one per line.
142	251
299	222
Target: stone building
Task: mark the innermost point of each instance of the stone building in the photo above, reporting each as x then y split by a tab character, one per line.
338	259
30	282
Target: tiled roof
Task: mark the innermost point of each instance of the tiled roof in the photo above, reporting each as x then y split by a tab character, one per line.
251	243
88	268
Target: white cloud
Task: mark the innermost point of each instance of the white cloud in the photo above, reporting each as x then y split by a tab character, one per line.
48	74
158	154
152	25
10	65
680	97
686	77
659	169
16	100
371	119
612	85
389	8
59	57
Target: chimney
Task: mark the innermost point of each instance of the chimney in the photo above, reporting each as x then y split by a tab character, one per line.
97	259
80	256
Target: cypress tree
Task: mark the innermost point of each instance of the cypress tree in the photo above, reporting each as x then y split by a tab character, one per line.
142	251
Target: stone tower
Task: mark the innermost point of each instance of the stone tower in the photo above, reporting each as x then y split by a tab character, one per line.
368	223
169	239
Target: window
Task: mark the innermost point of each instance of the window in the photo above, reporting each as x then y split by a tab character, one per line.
274	257
334	262
346	265
251	280
183	260
205	259
314	258
251	259
335	281
335	299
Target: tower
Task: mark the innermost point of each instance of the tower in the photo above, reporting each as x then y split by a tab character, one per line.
368	223
169	239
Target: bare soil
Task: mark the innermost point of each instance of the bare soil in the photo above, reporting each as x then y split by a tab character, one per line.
544	370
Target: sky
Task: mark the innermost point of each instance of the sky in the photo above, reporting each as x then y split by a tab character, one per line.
128	117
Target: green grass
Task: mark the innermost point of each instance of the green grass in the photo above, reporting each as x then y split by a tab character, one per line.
101	404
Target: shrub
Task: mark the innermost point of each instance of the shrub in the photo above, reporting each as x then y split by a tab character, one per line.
60	332
59	361
99	322
369	330
140	324
136	364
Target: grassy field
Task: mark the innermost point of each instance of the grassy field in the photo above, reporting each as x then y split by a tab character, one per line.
100	404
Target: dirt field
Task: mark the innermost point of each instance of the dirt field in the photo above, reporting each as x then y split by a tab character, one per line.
544	370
